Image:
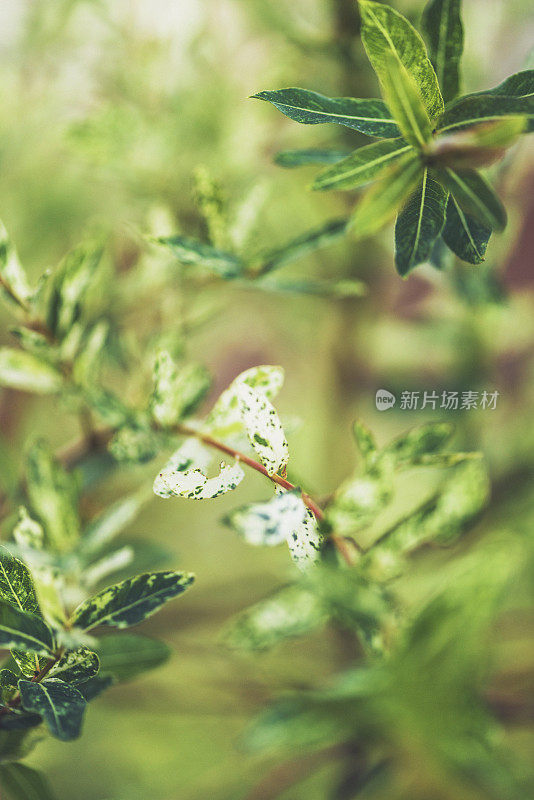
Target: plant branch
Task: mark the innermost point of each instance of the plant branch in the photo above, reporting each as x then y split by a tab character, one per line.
37	678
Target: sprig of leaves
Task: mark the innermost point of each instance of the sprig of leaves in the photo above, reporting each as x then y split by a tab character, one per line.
426	176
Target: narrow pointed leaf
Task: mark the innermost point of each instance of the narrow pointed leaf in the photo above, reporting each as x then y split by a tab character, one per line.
371	117
519	85
474	109
419	224
111	522
24	631
381	202
71	285
20	782
464	235
13	281
76	666
366	442
386	32
268	523
192	252
442	24
304	158
362	166
302	245
126	655
475	195
131	601
263	428
404	99
479	145
61	706
53	495
27	372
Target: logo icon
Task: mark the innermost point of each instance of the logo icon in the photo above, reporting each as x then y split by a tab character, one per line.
384	400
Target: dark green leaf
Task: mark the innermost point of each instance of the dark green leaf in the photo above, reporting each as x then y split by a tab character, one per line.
474	109
464	235
442	24
20	721
519	85
61	706
54	498
95	686
367	116
131	601
16	585
419	224
192	252
385	32
303	158
22	783
474	194
8	685
76	666
23	631
364	165
381	201
306	243
126	655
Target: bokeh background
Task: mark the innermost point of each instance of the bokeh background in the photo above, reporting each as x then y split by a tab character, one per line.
107	108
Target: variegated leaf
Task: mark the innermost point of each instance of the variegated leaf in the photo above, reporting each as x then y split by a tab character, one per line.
269	523
264	429
193	484
61	706
305	542
76	666
131	601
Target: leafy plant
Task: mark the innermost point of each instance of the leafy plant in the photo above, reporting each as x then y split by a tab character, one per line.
431	140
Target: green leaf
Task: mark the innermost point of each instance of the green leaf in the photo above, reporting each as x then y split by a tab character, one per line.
20	782
135	443
404	99
61	706
76	666
474	109
35	343
173	481
304	158
13	280
24	631
366	443
8	685
27	372
111	522
386	32
326	288
419	224
177	392
427	439
264	428
479	145
16	585
192	252
28	661
268	523
54	497
70	286
475	195
131	601
127	655
302	245
364	165
95	686
464	235
519	85
442	24
301	105
290	612
380	203
224	420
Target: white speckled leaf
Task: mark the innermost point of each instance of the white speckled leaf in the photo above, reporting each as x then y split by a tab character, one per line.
264	429
193	484
224	419
131	601
76	666
176	391
60	705
268	523
305	542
